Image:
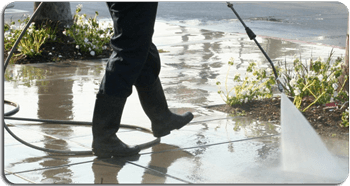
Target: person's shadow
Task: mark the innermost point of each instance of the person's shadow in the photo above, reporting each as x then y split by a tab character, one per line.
106	170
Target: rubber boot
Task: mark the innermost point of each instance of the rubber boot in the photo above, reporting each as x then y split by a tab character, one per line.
105	123
154	104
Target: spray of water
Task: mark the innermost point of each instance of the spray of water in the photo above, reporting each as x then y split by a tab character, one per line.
302	149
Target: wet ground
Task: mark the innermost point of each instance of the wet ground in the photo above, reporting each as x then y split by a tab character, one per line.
309	21
208	150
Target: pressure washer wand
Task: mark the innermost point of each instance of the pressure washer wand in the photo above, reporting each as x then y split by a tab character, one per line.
252	36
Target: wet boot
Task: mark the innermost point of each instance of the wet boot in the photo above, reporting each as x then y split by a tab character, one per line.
154	104
105	124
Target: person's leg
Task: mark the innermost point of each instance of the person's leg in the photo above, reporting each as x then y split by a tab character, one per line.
133	30
153	100
105	124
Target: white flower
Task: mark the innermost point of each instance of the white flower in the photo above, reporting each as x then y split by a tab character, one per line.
64	32
92	53
53	48
31	50
245	100
77	46
80	22
293	82
7	34
86	40
320	77
335	86
311	74
89	48
268	71
50	53
30	30
79	6
266	90
13	27
59	56
297	91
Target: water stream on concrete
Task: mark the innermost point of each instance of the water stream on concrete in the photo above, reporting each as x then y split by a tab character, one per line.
302	149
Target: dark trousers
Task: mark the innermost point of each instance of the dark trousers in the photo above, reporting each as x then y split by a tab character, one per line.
135	59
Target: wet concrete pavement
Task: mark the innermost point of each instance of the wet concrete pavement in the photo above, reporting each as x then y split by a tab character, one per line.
311	21
214	148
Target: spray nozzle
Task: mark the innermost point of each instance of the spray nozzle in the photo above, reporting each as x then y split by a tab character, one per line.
279	85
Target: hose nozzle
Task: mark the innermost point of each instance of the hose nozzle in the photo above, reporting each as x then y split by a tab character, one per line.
279	85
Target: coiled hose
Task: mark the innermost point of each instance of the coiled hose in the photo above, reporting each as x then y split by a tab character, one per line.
16	109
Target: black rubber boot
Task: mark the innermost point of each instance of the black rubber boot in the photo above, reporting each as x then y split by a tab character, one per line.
105	124
154	104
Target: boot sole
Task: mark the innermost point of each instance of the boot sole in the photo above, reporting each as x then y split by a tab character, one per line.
106	154
161	134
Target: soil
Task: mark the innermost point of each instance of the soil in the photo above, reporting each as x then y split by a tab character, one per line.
324	119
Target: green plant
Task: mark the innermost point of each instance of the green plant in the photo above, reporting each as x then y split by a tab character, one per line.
345	118
88	36
162	51
31	41
30	46
256	84
315	81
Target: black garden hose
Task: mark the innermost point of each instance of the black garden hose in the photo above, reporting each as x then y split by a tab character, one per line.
16	109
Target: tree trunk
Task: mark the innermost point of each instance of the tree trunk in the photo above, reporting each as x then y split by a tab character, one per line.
55	13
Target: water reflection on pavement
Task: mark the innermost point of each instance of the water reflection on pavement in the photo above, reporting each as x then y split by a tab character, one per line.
192	61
